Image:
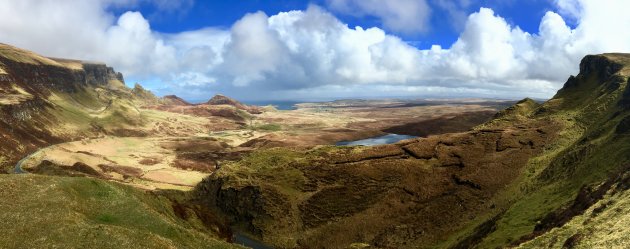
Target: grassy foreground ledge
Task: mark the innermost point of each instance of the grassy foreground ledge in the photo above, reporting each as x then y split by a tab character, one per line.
76	212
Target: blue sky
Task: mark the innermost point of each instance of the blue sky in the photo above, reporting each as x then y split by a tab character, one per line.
326	49
222	14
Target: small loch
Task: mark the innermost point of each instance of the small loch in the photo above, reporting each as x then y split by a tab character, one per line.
385	139
245	240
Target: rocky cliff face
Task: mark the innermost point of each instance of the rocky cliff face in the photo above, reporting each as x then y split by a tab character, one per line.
50	100
100	74
489	187
312	196
40	79
39	95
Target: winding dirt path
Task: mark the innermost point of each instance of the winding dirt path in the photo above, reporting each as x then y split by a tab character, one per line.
18	166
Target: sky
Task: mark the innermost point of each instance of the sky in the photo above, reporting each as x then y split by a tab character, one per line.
326	49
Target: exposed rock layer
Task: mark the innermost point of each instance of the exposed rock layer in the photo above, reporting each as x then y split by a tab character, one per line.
481	187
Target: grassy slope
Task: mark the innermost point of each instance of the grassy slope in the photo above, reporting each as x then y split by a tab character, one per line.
603	225
27	57
586	153
107	214
64	212
588	149
81	110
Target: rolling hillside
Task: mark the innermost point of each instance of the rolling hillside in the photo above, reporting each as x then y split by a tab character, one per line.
551	174
508	182
45	101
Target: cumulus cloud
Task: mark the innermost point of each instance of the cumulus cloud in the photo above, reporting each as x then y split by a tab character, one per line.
312	54
456	10
49	26
404	16
571	9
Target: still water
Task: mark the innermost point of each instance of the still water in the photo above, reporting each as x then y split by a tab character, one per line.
280	105
244	240
386	139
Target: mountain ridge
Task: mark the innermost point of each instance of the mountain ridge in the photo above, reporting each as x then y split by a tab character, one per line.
220	99
46	101
537	175
520	167
43	92
49	101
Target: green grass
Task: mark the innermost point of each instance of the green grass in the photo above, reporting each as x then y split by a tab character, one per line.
64	212
276	164
277	173
83	109
244	114
586	152
107	219
24	56
268	127
606	228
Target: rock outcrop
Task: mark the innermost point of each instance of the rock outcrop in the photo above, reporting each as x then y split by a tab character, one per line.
521	109
173	100
143	96
224	100
41	97
488	187
218	106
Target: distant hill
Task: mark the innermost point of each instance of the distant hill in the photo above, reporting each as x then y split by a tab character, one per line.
147	97
174	100
44	101
538	175
49	100
550	175
224	100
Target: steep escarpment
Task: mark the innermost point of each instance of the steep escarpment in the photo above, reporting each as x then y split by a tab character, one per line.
45	101
307	198
592	148
599	217
485	188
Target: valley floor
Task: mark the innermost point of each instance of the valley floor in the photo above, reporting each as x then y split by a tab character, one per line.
160	161
117	167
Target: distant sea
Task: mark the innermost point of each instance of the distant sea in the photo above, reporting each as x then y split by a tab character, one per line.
280	105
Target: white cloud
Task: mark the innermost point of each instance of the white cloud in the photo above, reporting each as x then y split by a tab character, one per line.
404	16
570	8
131	45
253	51
312	54
456	10
602	27
57	28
